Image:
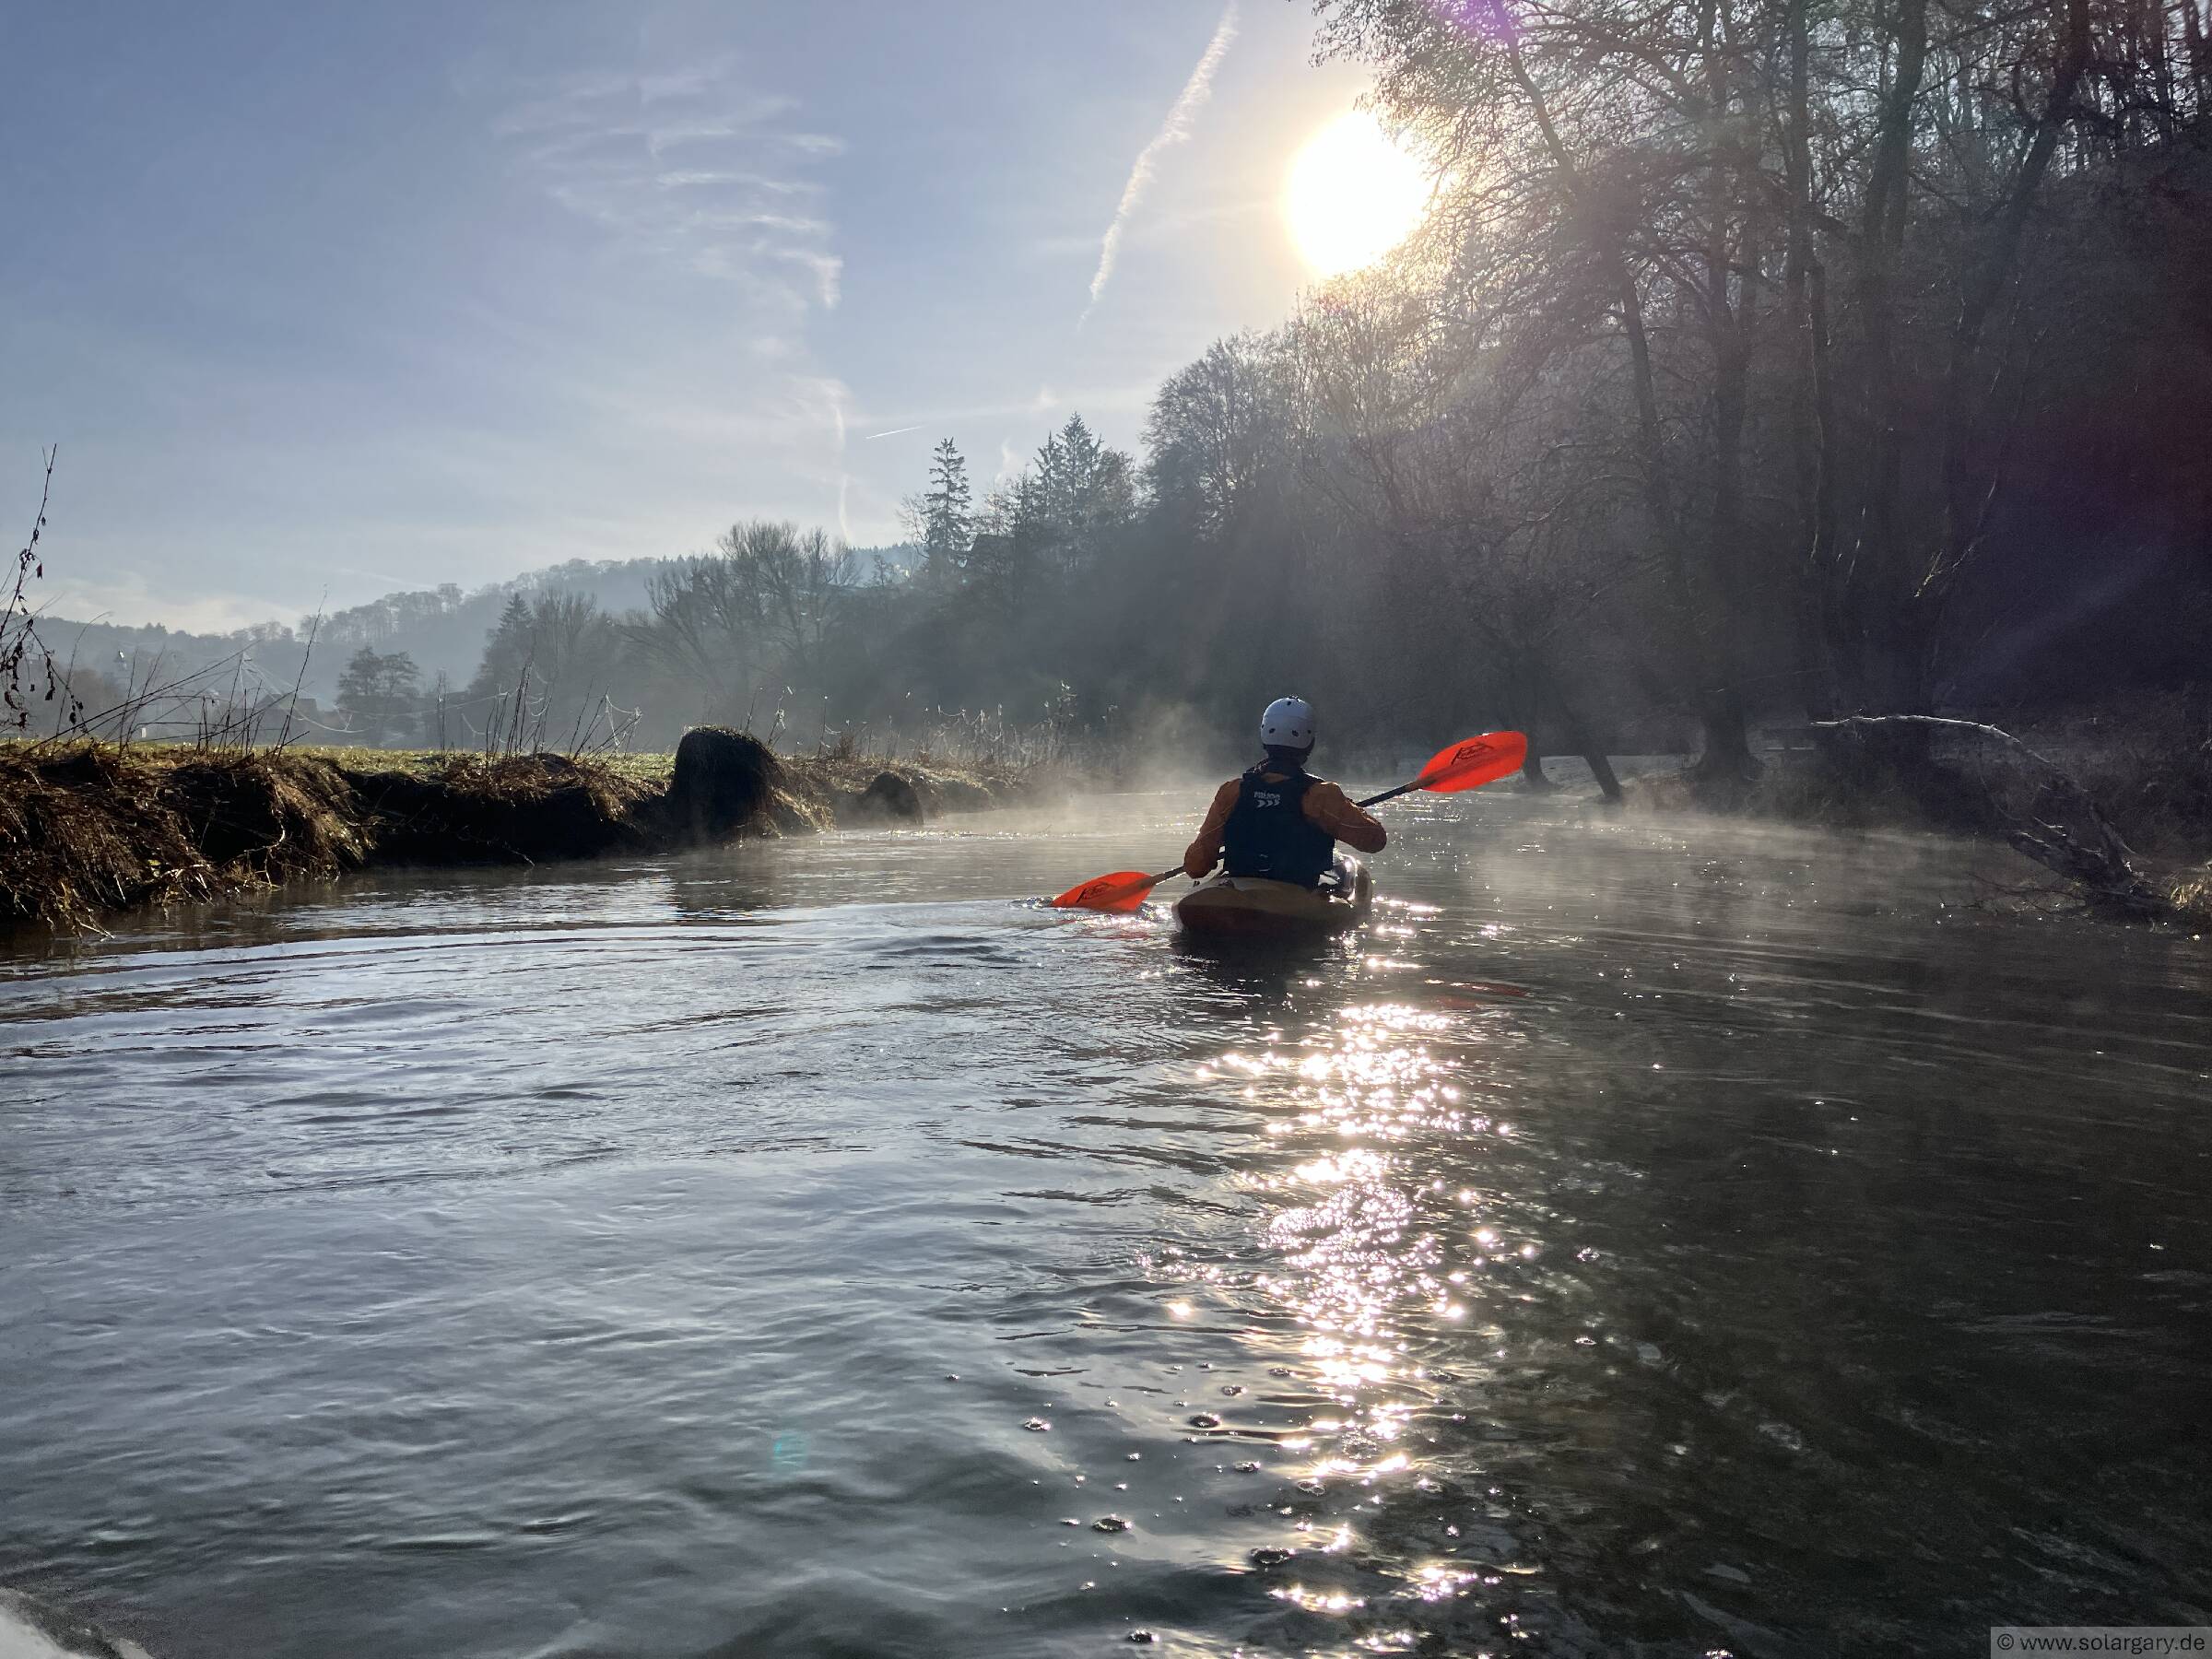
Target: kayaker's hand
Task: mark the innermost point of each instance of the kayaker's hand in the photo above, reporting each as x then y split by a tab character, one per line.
1195	868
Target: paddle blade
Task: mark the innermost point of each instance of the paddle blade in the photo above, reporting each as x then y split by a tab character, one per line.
1474	761
1117	894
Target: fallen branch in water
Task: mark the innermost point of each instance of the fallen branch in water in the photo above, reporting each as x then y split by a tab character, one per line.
2096	859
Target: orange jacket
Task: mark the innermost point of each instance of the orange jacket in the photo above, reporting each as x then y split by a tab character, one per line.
1326	807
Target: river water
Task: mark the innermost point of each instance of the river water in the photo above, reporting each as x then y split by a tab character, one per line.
1649	1237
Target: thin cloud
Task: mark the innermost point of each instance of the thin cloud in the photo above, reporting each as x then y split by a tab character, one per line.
1172	131
1121	400
689	168
1159	227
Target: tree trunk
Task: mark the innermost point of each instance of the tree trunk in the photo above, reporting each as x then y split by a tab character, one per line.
1720	716
2200	57
1592	753
1966	485
1601	767
1713	693
1812	399
1579	738
1876	584
1727	745
1727	329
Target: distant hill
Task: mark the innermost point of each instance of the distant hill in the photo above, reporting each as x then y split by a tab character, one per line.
442	628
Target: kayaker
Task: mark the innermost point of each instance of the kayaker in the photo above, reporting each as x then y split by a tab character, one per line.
1277	820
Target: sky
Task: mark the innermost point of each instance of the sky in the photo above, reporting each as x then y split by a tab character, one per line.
322	301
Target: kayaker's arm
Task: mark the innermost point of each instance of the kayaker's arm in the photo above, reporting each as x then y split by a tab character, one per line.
1328	807
1206	850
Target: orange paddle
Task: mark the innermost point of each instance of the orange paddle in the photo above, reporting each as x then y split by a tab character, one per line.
1117	894
1467	764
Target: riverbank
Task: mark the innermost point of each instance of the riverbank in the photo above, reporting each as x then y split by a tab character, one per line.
89	829
2120	810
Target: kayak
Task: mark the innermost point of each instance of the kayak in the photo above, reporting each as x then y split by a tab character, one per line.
1250	907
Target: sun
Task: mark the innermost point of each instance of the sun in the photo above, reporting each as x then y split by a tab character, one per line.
1352	196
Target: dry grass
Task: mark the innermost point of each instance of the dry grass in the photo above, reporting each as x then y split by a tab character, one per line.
2192	898
650	771
464	808
2149	763
88	828
830	782
85	827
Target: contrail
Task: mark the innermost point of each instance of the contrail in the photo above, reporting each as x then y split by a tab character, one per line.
1174	130
892	433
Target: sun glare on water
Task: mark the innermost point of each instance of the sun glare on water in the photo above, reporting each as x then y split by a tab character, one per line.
1352	196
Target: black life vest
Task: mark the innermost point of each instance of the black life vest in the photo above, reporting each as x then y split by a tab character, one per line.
1269	834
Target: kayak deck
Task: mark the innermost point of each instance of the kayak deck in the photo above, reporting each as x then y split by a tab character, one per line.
1249	907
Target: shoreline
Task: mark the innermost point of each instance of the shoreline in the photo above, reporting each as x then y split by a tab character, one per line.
90	829
2118	842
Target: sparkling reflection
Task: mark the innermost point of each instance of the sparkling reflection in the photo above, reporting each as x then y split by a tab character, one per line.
1387	1250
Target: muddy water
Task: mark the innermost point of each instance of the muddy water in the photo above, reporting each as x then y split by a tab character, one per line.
1648	1238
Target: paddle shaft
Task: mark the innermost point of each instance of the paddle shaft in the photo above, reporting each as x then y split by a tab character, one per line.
1389	795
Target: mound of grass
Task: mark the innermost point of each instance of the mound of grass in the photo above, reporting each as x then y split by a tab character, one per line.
85	828
464	808
88	828
652	771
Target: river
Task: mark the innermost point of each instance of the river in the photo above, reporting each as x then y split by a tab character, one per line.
1654	1237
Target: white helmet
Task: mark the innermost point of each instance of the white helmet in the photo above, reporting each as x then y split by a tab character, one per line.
1288	724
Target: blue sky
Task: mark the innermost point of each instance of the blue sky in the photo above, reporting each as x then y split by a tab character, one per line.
327	298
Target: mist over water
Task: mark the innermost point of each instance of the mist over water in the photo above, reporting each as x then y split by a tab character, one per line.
1648	1237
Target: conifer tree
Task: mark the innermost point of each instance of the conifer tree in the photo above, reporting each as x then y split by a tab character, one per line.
947	517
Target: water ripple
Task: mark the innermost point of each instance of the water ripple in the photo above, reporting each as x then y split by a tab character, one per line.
1642	1241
